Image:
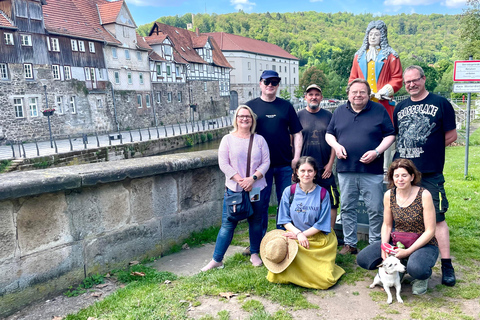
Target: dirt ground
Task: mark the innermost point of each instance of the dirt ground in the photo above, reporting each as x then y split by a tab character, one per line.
339	302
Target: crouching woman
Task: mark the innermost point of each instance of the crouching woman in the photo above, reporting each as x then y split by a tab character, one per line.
410	209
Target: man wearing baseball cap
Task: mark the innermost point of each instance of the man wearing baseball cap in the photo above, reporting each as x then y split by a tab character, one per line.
276	121
315	122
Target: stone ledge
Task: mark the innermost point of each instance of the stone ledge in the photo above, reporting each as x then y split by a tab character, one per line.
30	183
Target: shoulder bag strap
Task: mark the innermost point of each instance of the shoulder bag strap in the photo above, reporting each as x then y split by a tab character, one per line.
249	155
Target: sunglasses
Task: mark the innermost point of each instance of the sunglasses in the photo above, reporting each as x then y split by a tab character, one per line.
272	82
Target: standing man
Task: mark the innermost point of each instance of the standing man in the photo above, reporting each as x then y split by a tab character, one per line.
276	121
315	121
425	124
359	132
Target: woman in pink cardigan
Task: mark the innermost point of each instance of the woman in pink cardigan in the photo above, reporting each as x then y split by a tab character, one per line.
232	159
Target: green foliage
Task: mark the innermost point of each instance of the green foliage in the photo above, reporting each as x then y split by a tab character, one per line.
470	31
188	141
209	136
285	94
42	164
132	274
313	75
87	283
298	93
203	137
4	164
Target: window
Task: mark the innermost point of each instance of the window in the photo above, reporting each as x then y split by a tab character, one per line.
169	72
18	105
117	77
167	50
293	69
28	70
179	97
3	71
100	74
249	66
73	104
8	38
249	78
159	70
140	76
139	100
177	71
81	46
59	104
147	100
67	72
260	67
205	86
127	54
99	103
129	78
87	74
91	47
126	33
114	53
33	107
285	68
54	45
92	74
139	56
159	97
274	67
74	45
266	66
169	97
26	40
56	72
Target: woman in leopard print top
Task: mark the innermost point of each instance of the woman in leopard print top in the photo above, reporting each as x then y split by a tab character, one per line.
408	208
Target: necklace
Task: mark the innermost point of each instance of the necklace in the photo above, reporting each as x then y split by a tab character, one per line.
401	204
309	190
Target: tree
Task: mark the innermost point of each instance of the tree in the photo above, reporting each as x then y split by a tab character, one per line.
470	31
285	94
313	75
298	93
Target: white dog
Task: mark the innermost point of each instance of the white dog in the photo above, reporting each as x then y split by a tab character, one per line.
389	276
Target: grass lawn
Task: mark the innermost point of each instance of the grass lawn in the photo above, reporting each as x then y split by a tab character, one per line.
151	299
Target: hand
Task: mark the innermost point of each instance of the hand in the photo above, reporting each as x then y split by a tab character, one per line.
340	152
290	235
327	172
247	183
302	239
402	253
368	156
294	163
384	255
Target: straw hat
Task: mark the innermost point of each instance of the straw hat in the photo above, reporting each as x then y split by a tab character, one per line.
277	251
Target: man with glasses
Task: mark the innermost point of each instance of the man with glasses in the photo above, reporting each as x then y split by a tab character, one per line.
315	121
276	121
359	132
425	124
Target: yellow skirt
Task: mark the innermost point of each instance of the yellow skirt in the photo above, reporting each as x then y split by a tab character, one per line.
314	267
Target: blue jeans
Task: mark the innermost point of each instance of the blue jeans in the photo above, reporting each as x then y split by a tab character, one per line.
419	264
225	235
370	186
283	179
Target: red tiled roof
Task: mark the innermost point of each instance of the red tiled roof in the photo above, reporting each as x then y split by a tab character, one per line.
141	43
155	57
231	42
5	22
184	42
109	11
77	18
218	57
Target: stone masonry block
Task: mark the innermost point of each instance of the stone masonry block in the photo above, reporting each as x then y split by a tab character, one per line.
203	185
42	223
165	195
7	231
141	199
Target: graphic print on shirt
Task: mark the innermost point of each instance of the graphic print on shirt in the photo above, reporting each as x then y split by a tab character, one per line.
414	129
301	208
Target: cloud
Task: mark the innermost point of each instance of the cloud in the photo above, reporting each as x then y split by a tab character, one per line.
408	2
454	3
244	5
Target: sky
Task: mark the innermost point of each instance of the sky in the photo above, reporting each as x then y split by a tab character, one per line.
145	11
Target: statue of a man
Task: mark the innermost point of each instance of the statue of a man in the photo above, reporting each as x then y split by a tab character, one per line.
379	64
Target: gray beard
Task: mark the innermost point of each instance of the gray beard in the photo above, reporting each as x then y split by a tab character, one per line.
313	106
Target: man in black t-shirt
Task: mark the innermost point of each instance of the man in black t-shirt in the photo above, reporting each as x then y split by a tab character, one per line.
315	121
276	121
425	124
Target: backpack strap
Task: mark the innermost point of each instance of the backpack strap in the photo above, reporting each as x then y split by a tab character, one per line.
323	193
293	187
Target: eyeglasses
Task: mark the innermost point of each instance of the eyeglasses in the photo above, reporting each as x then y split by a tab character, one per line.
272	82
244	117
362	93
407	83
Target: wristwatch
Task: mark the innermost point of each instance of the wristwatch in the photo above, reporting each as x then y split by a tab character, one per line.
254	178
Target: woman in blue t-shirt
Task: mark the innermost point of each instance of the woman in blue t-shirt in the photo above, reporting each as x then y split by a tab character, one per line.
307	220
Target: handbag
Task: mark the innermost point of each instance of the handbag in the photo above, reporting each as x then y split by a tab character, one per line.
406	238
238	204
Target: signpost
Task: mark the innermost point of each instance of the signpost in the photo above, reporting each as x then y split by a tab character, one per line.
468	70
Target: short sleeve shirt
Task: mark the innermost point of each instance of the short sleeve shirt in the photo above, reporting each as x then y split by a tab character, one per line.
276	121
420	127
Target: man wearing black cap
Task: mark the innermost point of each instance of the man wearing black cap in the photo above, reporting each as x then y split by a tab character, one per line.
315	122
276	121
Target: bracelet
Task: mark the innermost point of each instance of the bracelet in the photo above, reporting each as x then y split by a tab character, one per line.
378	154
296	234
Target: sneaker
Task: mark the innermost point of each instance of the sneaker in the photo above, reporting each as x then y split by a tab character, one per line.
448	276
255	260
419	286
348	249
247	252
213	265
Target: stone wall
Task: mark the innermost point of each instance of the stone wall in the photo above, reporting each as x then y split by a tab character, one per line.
58	226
